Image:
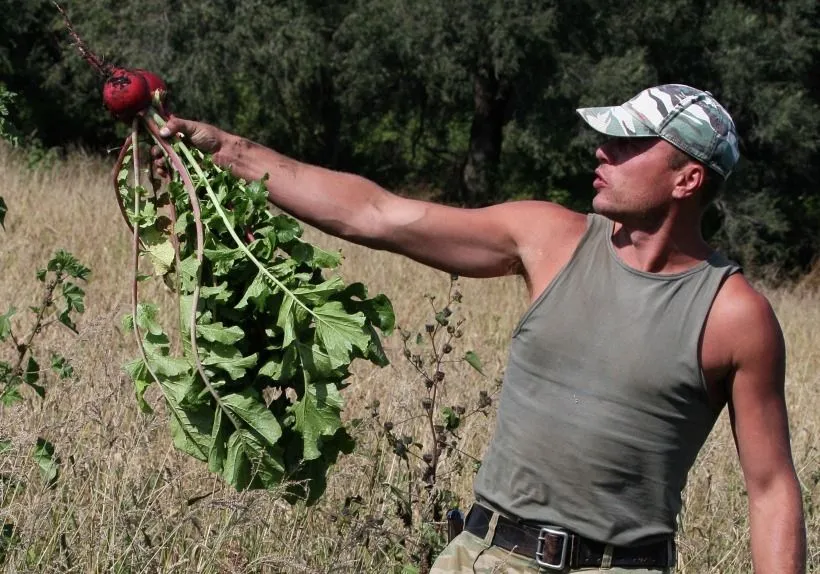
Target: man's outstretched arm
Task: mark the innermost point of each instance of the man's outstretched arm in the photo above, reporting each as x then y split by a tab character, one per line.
757	409
486	242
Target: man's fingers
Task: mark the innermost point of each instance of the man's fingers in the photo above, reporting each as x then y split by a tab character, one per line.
175	126
158	162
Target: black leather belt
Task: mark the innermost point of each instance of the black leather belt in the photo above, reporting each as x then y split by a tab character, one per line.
559	549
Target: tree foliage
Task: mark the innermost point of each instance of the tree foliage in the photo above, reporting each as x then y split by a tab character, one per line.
473	98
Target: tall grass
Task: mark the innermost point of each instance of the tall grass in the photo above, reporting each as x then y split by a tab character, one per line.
127	501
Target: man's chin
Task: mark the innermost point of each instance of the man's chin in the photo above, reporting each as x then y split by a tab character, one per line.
601	207
626	216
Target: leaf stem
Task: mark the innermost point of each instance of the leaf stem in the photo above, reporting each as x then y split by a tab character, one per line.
115	177
133	139
45	303
177	163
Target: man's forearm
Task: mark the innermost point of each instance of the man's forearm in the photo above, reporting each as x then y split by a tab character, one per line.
341	204
778	529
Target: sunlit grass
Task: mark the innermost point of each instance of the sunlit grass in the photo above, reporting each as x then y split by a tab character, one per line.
128	502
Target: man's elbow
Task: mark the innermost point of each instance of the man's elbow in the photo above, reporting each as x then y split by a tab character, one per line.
368	226
776	490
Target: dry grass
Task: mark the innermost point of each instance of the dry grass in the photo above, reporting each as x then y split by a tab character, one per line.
127	501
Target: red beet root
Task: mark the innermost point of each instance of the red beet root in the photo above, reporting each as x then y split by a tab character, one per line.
158	90
155	83
126	93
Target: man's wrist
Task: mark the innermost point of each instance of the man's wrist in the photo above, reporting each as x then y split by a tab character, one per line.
234	155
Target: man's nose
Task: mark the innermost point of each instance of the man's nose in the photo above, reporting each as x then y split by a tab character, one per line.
601	154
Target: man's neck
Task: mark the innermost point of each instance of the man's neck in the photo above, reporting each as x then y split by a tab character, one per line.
672	244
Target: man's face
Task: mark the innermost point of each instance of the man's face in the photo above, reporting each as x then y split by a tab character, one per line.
634	178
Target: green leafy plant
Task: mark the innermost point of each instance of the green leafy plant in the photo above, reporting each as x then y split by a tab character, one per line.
253	386
62	298
60	302
8	131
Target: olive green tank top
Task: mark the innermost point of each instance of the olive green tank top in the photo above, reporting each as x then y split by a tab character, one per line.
604	407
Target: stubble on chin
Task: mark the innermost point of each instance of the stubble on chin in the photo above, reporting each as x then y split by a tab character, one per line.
643	216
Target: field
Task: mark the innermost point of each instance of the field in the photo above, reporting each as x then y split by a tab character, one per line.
126	501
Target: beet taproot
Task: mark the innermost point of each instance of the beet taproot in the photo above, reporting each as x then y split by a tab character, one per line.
126	93
155	83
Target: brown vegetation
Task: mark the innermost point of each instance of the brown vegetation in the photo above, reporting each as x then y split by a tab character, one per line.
128	502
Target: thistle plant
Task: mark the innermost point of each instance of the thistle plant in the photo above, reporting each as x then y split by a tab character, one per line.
421	494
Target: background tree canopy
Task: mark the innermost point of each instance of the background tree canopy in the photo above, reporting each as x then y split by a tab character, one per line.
470	100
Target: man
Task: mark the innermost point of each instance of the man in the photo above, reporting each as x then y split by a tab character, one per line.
637	335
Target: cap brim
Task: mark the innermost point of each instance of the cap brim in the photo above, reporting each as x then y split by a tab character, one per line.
616	121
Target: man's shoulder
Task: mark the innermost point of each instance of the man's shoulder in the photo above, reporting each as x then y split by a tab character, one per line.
533	217
744	319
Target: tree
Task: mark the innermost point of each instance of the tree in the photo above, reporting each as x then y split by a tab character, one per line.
474	99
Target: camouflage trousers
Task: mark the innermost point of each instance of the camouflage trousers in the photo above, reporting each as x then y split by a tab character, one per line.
469	554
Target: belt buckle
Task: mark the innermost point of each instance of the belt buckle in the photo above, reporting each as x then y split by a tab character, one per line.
539	549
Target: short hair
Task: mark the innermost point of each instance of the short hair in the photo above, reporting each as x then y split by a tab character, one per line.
712	181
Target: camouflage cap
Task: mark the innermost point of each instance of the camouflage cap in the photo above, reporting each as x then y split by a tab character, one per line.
690	119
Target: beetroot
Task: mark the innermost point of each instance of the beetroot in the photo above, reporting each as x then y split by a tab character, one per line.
155	83
158	90
126	93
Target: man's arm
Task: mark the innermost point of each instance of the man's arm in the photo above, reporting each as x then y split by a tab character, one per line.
487	242
757	409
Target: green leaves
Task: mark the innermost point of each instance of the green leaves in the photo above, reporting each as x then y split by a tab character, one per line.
250	464
339	332
73	296
65	262
160	251
31	375
43	454
56	287
228	359
276	321
218	333
61	366
473	361
317	416
5	324
249	408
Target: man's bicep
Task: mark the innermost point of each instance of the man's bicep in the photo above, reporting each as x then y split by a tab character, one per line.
757	403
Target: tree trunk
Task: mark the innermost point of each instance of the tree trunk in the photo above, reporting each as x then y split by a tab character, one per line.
480	169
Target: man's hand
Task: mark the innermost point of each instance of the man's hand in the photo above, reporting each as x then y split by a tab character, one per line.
205	137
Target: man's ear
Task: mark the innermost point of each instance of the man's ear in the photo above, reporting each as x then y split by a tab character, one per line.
689	179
